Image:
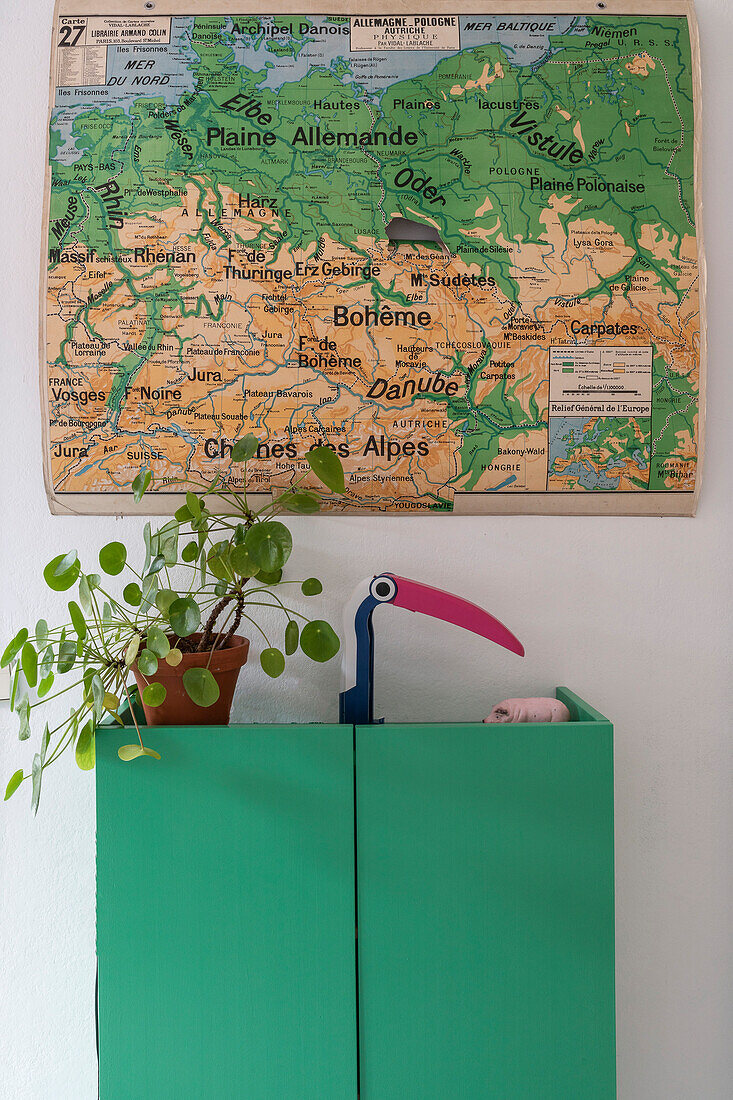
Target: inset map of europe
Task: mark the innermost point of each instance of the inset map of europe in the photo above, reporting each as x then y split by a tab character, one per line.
460	250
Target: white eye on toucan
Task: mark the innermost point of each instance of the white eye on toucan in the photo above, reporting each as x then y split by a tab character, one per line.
383	588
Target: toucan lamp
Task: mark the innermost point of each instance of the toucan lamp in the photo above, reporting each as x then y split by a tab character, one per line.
356	701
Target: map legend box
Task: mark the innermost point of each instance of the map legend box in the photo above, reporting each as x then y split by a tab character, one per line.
600	381
405	32
83	43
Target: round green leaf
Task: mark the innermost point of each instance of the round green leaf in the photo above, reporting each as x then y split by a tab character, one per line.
84	751
292	633
23	710
269	544
62	572
190	551
64	563
319	641
95	689
174	658
111	702
311	587
245	448
77	620
140	483
201	687
326	465
41	634
67	656
13	783
158	642
272	661
156	565
45	741
164	599
29	664
131	594
270	578
193	504
242	562
36	776
112	558
184	616
149	592
45	685
200	525
14	647
129	752
154	694
85	594
147	662
46	663
218	561
303	502
132	650
168	542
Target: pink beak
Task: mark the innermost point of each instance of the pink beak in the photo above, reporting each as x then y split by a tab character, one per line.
452	609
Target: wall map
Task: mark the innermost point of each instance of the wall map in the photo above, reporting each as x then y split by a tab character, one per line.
463	250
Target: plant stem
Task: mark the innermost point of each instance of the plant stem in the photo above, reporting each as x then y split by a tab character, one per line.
132	715
254	623
48	698
208	635
237	620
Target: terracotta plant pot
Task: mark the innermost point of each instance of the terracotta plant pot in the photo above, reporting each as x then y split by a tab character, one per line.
177	709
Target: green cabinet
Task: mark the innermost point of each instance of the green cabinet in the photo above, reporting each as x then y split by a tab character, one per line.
479	860
486	922
225	915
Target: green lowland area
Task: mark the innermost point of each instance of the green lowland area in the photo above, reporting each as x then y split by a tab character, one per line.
461	147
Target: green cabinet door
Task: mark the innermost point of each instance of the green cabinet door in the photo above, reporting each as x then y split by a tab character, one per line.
486	911
225	915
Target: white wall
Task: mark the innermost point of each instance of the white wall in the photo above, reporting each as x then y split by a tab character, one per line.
634	614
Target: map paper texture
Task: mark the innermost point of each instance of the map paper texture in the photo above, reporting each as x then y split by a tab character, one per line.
462	248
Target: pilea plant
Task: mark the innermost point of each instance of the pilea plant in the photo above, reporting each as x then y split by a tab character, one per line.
206	571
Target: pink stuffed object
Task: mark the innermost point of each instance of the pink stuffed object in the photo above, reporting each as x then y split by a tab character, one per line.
529	710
